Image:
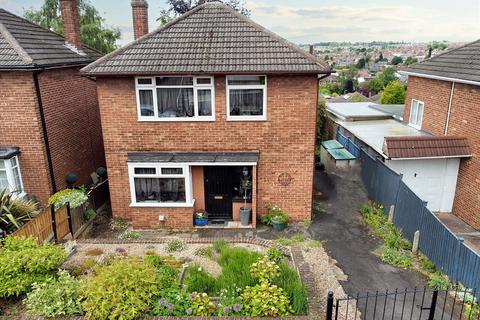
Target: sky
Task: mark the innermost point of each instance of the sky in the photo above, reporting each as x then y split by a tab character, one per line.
310	21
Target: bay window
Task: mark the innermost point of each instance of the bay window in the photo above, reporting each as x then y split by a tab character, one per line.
175	98
156	185
10	177
416	114
246	98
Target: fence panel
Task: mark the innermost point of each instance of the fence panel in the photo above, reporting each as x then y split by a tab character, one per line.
348	144
387	184
40	227
468	267
99	195
408	211
369	173
61	219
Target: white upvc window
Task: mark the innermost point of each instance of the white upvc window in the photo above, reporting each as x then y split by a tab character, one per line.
10	176
160	185
246	98
416	114
175	98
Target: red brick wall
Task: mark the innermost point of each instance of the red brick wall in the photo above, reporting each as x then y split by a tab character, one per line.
286	141
464	120
73	124
20	127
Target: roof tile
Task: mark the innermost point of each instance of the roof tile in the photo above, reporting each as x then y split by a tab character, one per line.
426	147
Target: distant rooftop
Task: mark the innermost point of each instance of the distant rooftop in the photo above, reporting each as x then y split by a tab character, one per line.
359	111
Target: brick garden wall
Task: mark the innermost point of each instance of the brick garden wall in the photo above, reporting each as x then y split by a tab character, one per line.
20	126
286	141
73	124
464	120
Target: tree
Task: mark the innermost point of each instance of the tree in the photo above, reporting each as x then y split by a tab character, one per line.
93	31
410	60
387	76
397	60
178	7
360	63
375	85
394	93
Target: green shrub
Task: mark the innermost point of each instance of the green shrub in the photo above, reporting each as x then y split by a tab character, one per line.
55	297
123	289
438	280
23	262
89	214
266	300
175	245
129	234
75	197
201	305
274	213
206	252
170	302
198	280
427	264
275	255
396	257
264	269
291	283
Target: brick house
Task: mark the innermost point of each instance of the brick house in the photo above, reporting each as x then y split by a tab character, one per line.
442	99
49	119
194	108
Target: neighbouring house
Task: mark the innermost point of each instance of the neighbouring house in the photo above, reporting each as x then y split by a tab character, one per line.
194	108
443	99
429	164
49	117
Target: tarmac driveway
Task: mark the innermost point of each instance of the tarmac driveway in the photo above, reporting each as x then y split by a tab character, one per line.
347	239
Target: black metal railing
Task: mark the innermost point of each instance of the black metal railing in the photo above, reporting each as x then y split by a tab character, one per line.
416	303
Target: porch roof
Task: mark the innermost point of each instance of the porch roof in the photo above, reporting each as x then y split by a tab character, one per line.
8	152
193	157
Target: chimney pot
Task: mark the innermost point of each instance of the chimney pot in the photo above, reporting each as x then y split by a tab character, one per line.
71	23
140	18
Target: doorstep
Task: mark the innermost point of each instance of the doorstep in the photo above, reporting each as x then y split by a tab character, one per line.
226	225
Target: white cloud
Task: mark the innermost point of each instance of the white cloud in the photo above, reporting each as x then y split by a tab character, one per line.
365	22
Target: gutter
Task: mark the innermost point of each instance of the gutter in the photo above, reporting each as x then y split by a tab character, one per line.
44	129
436	157
428	76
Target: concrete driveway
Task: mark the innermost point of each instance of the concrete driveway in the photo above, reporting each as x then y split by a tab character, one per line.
347	239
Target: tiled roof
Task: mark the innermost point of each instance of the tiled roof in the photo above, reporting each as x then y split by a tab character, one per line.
462	63
25	45
426	147
211	38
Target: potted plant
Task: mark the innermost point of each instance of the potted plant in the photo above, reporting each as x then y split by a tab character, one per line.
245	211
280	221
201	218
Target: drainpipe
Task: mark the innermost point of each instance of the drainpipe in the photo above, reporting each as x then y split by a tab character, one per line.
449	108
44	129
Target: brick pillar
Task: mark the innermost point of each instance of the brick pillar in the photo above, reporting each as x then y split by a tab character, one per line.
71	22
140	18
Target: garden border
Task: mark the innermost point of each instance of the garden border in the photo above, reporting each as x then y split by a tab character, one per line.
294	253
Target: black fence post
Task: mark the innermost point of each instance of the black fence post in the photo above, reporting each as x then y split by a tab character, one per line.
69	216
54	223
433	305
330	306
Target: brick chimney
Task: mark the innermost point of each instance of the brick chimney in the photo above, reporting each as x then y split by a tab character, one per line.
71	23
140	18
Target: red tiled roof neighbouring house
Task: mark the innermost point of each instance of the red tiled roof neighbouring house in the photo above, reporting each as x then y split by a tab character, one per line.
426	147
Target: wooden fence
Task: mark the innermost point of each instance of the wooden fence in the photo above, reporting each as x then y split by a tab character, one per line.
41	227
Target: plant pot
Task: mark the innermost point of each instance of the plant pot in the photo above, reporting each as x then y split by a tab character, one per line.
278	225
201	222
245	216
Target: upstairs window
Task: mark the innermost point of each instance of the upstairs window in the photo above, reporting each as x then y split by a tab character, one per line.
175	98
246	98
416	114
10	177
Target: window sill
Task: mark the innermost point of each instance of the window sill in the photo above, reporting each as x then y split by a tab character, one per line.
163	205
246	118
146	119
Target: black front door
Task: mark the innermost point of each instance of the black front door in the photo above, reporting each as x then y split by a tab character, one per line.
218	192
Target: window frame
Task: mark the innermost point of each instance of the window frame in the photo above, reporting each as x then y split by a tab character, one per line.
264	87
19	193
187	175
410	122
153	87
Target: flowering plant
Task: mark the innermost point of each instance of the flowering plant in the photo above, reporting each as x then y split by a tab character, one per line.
200	215
170	302
201	305
274	213
230	303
